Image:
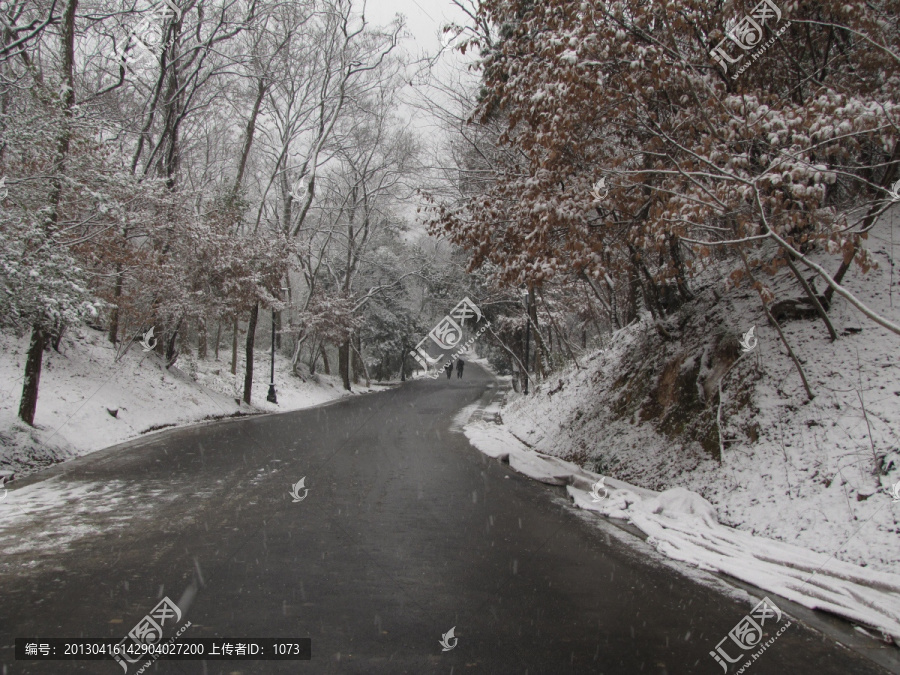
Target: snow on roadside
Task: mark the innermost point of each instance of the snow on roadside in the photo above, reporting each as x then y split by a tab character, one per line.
57	512
809	492
88	401
78	389
683	526
818	474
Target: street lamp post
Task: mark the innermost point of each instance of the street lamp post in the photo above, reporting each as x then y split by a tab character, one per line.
271	398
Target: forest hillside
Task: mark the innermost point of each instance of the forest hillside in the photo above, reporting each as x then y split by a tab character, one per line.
681	404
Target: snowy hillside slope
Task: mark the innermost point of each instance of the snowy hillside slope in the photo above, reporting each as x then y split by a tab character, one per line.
83	386
817	474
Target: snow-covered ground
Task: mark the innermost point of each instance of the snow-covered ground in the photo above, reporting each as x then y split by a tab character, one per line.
807	506
83	385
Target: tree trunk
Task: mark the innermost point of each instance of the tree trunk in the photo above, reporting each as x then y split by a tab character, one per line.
314	356
295	357
168	159
35	357
541	354
67	101
613	306
631	309
680	273
234	343
344	363
171	353
360	362
649	289
184	344
202	345
562	339
811	295
516	380
839	275
218	336
889	175
325	365
355	361
56	337
113	335
251	336
261	88
33	363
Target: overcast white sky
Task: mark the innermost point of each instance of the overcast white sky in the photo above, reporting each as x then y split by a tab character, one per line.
424	18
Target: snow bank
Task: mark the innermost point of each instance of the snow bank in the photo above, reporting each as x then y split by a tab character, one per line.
89	401
816	474
684	526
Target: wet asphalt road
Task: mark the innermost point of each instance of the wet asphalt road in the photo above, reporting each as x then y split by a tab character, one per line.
406	531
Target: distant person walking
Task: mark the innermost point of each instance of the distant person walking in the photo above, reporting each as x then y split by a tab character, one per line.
460	364
449	369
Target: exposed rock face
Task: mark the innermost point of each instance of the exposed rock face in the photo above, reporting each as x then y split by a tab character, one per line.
673	382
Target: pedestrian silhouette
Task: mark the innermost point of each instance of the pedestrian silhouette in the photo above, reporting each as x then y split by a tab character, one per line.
460	364
449	369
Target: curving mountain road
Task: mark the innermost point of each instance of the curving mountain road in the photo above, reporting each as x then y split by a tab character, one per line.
405	532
